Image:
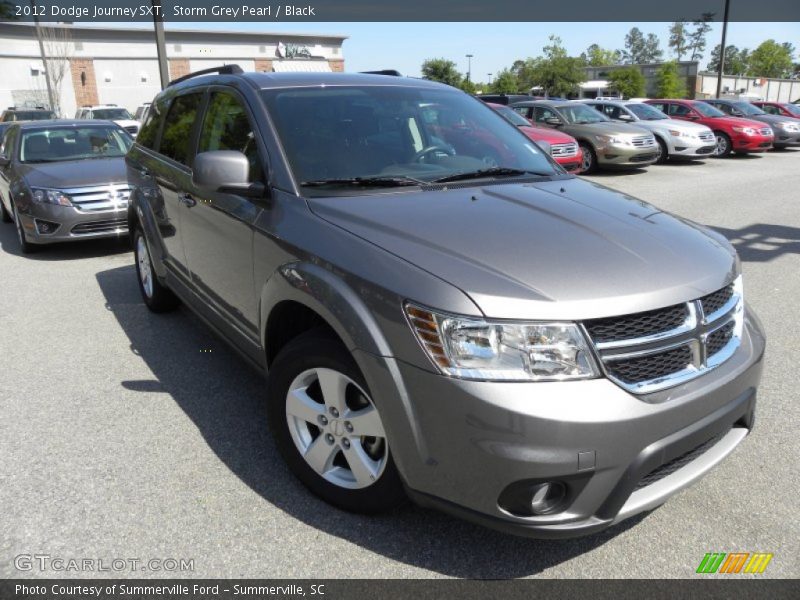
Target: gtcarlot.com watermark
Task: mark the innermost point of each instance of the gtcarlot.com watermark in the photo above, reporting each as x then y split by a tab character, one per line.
58	564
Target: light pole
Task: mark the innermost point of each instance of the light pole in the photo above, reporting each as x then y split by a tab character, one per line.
722	47
469	67
161	45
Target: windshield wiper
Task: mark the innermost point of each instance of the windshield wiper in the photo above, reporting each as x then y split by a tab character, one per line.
378	181
490	172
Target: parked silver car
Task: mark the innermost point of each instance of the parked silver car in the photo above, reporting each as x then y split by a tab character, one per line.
64	181
507	342
676	139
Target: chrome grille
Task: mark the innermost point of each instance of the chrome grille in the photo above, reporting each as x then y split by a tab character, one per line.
649	351
564	150
707	136
644	141
766	131
100	198
104	226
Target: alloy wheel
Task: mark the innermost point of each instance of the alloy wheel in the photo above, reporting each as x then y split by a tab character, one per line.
336	428
143	266
721	147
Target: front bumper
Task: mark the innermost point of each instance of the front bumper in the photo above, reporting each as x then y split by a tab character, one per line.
690	148
752	143
459	444
625	157
786	138
572	164
49	223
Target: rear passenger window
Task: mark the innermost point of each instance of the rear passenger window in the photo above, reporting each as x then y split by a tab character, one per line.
178	127
149	131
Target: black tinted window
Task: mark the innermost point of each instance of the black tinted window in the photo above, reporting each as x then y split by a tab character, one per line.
178	127
226	127
149	131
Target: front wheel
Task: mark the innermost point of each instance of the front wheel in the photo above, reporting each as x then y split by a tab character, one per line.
25	246
4	214
663	152
589	161
327	427
723	146
156	296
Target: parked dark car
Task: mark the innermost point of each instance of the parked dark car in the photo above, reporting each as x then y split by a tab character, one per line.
786	130
26	114
509	343
504	99
784	109
64	180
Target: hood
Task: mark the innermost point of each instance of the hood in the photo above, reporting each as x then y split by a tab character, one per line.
676	124
563	249
769	119
74	173
551	136
606	128
731	122
127	123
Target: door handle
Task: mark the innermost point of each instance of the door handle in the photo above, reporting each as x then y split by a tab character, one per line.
187	200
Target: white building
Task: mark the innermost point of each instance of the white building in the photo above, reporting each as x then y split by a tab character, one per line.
120	65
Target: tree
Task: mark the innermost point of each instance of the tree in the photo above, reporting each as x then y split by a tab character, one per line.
679	38
669	82
628	81
735	60
556	72
640	49
697	38
595	56
57	50
771	59
506	82
442	70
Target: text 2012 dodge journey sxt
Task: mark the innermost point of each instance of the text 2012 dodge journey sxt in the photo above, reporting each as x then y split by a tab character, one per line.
442	318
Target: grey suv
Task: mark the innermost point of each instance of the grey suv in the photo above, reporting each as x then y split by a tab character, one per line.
506	342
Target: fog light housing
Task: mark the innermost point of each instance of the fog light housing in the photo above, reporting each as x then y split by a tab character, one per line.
46	227
542	497
547	497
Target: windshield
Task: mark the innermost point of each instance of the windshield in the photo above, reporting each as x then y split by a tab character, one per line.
110	114
707	110
512	116
748	108
32	115
73	143
792	108
580	114
384	135
646	112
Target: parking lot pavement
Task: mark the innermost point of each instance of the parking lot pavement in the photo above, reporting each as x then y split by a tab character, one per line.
125	434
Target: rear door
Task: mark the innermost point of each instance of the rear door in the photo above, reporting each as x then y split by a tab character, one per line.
217	228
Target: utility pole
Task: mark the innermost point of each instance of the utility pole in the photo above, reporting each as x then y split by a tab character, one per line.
50	95
722	47
161	44
469	67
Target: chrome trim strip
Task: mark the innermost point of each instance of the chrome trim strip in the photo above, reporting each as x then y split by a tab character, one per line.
689	324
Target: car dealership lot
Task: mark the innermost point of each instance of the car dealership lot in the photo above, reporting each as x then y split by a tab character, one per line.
125	434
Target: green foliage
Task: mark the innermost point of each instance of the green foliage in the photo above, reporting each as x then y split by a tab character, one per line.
736	61
679	38
441	70
506	82
771	59
628	81
595	56
697	38
669	82
640	49
556	72
468	86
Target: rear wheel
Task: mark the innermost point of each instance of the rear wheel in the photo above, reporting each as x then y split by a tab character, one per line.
328	429
663	152
156	296
589	162
723	146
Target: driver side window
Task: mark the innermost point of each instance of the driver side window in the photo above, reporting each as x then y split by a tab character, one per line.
542	114
227	127
679	110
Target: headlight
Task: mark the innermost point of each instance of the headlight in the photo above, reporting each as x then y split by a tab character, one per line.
744	130
787	126
474	348
610	139
43	196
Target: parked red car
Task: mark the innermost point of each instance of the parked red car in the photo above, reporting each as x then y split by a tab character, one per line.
783	109
562	147
733	134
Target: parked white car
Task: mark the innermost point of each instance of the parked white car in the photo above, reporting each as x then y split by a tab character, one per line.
676	139
110	112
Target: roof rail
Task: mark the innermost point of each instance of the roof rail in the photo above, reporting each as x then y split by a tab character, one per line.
390	72
223	70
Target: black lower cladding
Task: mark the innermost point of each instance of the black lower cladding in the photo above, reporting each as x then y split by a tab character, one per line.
670	467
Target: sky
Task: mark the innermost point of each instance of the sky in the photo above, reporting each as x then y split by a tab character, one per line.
494	46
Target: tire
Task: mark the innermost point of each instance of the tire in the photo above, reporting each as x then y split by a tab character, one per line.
156	296
724	145
589	162
316	431
25	246
663	151
4	214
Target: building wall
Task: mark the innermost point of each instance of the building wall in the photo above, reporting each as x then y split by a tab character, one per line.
778	90
686	70
121	65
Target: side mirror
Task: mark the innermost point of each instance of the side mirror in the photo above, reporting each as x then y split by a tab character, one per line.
693	117
553	121
227	172
4	160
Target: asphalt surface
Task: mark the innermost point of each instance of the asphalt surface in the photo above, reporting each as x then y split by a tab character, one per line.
129	435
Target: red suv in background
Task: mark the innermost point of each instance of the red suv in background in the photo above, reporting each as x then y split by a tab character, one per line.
783	109
733	134
562	147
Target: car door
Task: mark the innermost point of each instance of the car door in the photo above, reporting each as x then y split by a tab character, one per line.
6	147
680	111
217	228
